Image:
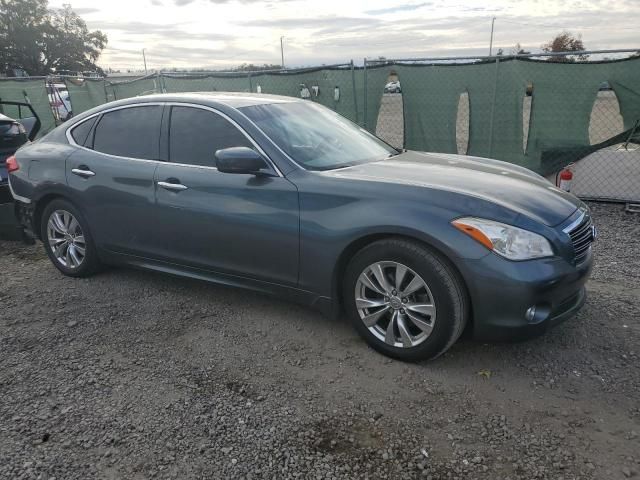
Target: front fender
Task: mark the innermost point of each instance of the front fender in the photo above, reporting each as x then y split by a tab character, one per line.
328	234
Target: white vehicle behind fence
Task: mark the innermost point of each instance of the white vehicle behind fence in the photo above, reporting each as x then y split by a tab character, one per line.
60	101
393	87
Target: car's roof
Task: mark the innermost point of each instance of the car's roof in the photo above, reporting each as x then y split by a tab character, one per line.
231	99
4	118
219	100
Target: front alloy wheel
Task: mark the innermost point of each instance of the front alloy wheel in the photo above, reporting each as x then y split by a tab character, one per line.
395	304
406	300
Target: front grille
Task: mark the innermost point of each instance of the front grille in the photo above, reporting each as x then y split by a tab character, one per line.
582	236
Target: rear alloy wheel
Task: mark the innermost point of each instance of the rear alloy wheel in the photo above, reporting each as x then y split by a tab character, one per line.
67	239
404	299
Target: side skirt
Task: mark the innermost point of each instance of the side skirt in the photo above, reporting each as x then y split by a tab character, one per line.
303	297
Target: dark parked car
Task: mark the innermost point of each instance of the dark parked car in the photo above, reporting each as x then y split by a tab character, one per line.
284	196
13	134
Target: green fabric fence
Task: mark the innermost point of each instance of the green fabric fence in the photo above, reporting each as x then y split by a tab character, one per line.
205	83
318	85
562	96
134	88
370	84
85	93
331	87
562	99
32	91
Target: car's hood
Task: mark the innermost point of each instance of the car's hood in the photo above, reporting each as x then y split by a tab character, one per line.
511	186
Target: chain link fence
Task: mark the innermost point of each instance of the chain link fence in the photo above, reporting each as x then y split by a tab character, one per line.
338	87
542	111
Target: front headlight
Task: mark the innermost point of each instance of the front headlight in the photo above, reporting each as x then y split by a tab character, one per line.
511	242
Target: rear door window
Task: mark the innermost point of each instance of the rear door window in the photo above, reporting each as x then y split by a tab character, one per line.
130	132
196	134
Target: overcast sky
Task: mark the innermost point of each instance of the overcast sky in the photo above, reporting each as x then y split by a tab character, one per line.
223	33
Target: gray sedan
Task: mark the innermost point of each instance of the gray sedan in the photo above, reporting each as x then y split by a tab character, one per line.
284	196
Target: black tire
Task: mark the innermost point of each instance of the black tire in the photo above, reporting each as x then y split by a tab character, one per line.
90	263
445	284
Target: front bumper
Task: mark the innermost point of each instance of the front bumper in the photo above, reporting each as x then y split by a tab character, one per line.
504	292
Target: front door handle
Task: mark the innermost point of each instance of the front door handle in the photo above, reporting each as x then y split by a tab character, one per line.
176	187
83	172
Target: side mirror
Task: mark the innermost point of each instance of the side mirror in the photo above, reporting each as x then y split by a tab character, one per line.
239	160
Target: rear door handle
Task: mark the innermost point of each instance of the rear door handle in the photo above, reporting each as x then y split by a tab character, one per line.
83	172
176	187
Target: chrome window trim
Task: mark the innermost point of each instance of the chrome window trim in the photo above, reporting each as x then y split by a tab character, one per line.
71	140
101	112
235	124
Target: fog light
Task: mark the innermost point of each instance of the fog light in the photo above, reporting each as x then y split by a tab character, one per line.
530	314
538	313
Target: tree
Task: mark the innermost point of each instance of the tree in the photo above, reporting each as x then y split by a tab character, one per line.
565	42
250	67
44	41
22	26
518	50
70	45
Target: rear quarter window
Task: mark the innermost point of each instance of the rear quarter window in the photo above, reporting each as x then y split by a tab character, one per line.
81	132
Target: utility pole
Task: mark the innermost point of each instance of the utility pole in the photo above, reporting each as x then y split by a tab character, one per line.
144	58
493	21
282	52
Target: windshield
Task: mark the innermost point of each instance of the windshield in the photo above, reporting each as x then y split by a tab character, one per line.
316	137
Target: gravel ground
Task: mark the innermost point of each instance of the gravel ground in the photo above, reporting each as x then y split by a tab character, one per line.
137	375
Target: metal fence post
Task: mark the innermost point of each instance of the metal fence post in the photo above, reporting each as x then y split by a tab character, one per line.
250	83
160	82
106	93
365	94
493	109
355	93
